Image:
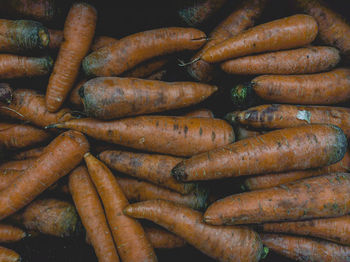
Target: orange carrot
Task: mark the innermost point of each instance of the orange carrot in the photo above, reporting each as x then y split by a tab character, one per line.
10	233
223	243
56	39
161	238
202	112
127	232
8	255
102	41
148	67
31	153
74	97
5	93
79	30
18	165
8	176
243	133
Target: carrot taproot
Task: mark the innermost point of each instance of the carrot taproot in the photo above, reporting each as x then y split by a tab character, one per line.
127	232
102	41
115	97
282	150
297	200
332	229
223	243
74	97
56	39
306	249
202	112
18	165
92	214
5	93
130	51
285	33
27	154
8	176
78	33
161	238
151	167
243	133
13	66
179	136
60	157
159	75
8	255
238	21
304	60
9	233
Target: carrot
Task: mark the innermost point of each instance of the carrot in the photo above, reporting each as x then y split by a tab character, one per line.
238	21
79	30
102	41
277	151
14	136
10	233
151	167
92	214
18	164
332	229
127	232
27	154
29	105
202	112
13	66
282	116
146	68
317	89
5	93
161	238
74	97
131	96
129	51
56	39
297	200
289	32
61	156
179	136
319	58
159	75
306	249
243	133
8	176
221	243
8	255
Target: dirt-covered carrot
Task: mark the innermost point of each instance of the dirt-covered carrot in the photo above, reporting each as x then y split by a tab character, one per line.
161	238
92	214
127	232
13	66
102	41
320	89
243	133
8	255
277	151
132	96
151	167
10	233
180	136
297	61
332	229
202	112
240	19
78	33
275	116
8	176
17	165
306	249
223	243
56	39
129	51
5	93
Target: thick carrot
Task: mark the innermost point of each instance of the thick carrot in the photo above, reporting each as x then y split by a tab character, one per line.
134	49
78	33
282	116
202	112
243	133
306	249
92	214
151	167
223	243
277	151
10	233
127	232
180	136
161	238
238	21
102	41
5	93
115	97
297	200
74	97
304	60
319	89
8	255
8	176
289	32
332	229
56	39
27	154
18	165
60	157
13	66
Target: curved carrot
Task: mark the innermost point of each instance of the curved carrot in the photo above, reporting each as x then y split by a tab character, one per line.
5	93
161	238
18	165
223	243
8	255
202	112
92	214
56	39
8	176
10	233
127	232
79	30
30	153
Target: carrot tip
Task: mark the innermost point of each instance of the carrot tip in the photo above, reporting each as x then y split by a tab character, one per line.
231	118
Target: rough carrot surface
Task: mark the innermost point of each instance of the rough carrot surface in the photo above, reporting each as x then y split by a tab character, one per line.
10	233
30	153
8	176
161	238
8	255
5	93
202	112
148	67
17	165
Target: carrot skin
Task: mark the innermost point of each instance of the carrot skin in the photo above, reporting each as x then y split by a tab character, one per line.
8	255
18	165
10	233
74	97
148	67
161	238
5	93
56	39
27	154
243	133
102	41
8	176
202	112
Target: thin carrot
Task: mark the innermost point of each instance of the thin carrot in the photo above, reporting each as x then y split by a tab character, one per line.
56	39
18	165
8	255
180	136
10	233
223	243
5	93
202	112
30	153
127	232
78	32
74	97
161	238
92	214
8	176
102	41
277	151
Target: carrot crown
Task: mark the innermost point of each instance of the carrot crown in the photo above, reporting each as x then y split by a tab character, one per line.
243	94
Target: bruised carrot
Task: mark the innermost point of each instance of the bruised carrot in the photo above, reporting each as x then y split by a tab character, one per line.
102	41
74	97
202	112
151	167
243	133
159	75
8	255
17	165
10	233
13	66
306	249
238	21
129	51
179	136
221	243
5	93
78	33
92	214
27	154
332	229
56	39
161	238
318	59
127	232
131	96
8	176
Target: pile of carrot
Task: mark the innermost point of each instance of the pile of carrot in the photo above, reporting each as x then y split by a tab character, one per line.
113	139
